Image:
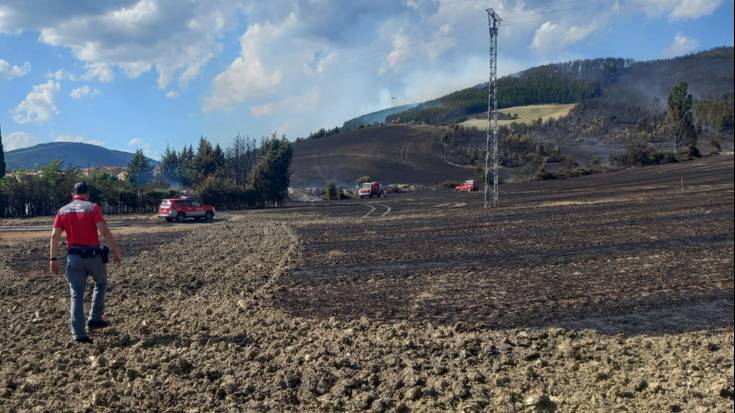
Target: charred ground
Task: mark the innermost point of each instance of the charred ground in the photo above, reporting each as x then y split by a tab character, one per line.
613	245
392	154
612	292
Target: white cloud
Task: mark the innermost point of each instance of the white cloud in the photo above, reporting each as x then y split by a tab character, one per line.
288	49
692	9
552	37
60	74
10	71
173	37
79	139
399	53
38	105
320	61
680	45
306	65
247	77
441	41
17	140
680	9
172	94
83	91
135	142
98	71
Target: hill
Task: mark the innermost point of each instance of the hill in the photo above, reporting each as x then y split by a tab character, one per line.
606	102
391	154
709	75
72	154
375	117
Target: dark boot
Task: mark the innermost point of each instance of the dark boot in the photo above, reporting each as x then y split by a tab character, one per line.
94	324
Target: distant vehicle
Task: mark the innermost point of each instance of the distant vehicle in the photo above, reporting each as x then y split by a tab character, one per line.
467	186
180	209
370	189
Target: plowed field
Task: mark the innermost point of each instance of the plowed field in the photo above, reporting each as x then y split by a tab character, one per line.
610	292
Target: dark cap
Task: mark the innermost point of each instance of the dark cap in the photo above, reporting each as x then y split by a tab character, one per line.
81	188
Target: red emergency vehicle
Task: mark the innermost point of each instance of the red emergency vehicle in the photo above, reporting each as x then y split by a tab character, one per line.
467	186
370	189
180	209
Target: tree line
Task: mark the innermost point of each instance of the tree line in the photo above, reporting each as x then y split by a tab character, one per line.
538	88
245	174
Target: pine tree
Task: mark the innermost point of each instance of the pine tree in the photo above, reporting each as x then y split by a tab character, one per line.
186	173
271	175
2	156
680	119
170	166
140	171
219	158
204	160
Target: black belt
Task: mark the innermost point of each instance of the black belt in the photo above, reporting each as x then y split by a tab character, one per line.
85	252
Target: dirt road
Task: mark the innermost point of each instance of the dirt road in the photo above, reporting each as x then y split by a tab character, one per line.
604	293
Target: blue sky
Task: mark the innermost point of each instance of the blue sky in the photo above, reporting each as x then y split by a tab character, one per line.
131	74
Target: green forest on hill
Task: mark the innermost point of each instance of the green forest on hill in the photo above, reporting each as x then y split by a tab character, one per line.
512	91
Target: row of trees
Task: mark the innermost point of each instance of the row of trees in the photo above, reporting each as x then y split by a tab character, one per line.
245	174
321	133
716	115
42	193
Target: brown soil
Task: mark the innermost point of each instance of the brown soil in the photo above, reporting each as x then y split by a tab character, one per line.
553	303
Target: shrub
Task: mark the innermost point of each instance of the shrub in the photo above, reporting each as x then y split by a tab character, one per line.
225	194
330	191
574	172
363	179
544	175
637	153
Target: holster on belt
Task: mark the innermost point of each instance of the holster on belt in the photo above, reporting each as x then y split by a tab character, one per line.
105	252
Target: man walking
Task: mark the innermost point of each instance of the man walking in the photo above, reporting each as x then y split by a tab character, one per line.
82	220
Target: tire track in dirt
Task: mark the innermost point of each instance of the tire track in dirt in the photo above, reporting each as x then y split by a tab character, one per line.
387	210
372	207
367	214
404	154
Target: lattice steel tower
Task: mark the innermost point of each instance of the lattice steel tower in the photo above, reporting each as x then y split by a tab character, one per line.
491	154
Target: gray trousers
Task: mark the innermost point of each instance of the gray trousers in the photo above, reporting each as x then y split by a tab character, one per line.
77	270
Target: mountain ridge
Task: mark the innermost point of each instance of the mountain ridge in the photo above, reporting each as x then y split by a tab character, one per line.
571	81
71	154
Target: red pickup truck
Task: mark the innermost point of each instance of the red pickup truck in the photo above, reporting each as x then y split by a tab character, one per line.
180	209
